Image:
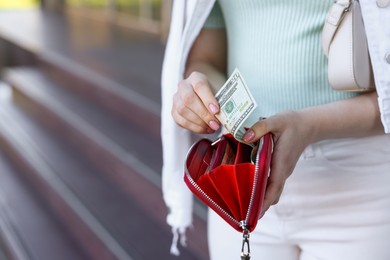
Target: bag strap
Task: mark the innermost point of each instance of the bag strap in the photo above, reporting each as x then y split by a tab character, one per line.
333	19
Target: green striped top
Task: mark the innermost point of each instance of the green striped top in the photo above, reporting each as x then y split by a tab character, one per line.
276	45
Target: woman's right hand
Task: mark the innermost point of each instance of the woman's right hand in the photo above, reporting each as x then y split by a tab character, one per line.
194	105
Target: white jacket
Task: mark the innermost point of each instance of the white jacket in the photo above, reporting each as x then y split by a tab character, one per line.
188	17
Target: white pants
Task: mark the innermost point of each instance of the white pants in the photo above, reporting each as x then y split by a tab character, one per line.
335	206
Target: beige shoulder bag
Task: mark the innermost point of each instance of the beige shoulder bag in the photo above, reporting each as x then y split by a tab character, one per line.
344	42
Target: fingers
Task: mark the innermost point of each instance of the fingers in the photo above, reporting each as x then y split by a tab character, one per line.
194	105
202	88
287	149
275	185
259	129
272	195
185	118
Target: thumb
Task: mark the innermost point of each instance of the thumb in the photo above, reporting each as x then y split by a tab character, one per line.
259	129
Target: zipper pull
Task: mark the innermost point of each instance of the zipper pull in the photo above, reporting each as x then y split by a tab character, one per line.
245	242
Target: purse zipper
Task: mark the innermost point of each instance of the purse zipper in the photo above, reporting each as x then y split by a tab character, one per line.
245	234
255	181
243	223
245	243
204	195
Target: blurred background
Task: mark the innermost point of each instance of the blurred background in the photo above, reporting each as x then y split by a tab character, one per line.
80	148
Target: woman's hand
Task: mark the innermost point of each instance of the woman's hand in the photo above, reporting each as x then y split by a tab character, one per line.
291	136
294	130
194	105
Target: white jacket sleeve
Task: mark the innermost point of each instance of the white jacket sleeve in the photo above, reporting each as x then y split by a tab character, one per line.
376	16
175	140
188	17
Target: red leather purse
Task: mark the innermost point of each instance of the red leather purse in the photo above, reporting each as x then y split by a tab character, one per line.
231	177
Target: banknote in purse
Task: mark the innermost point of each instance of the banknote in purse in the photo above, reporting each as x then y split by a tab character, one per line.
231	177
344	42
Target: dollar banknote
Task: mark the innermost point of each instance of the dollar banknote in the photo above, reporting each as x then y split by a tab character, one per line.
236	104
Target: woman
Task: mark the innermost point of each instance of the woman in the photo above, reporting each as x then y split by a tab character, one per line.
331	160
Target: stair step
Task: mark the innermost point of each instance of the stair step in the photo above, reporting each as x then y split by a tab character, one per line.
119	69
29	148
104	137
27	228
120	99
108	69
112	143
124	223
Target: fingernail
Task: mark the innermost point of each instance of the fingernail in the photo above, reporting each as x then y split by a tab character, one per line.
261	214
213	108
214	125
249	135
210	131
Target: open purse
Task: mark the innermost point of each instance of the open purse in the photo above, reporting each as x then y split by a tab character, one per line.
231	177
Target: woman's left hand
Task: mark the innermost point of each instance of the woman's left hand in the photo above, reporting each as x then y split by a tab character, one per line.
294	130
291	136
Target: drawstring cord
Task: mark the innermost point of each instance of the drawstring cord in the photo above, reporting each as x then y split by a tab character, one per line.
178	234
